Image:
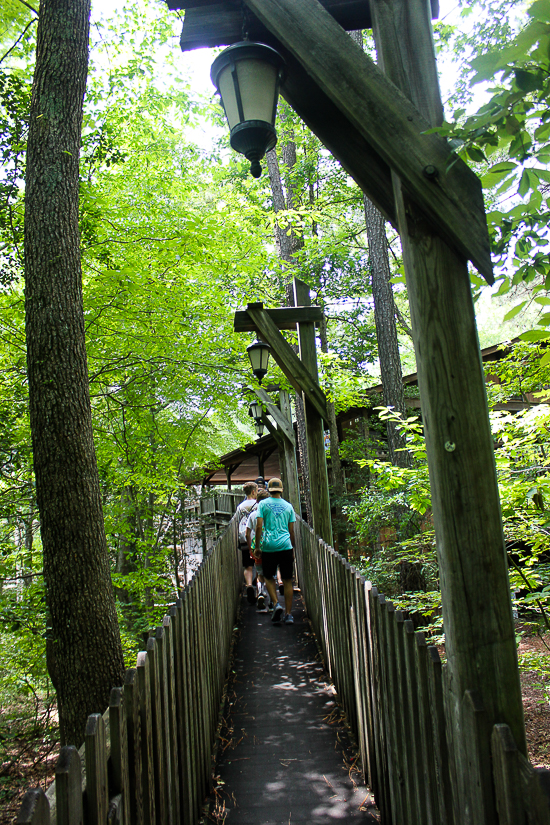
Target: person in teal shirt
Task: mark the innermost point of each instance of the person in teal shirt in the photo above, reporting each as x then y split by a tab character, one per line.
275	539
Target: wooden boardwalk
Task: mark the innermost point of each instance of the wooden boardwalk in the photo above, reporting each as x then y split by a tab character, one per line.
285	756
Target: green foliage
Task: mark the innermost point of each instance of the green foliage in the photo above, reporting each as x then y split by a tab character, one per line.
508	140
392	516
397	498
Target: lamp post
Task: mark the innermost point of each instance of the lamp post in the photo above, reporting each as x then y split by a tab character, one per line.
248	76
258	352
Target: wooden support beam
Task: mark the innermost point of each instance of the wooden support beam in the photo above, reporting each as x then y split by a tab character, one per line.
298	375
315	429
477	614
281	420
283	318
211	23
289	460
446	190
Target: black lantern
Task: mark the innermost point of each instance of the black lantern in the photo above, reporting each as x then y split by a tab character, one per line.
248	76
255	410
258	352
259	428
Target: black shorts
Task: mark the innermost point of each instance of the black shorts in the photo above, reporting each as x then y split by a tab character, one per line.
283	559
248	561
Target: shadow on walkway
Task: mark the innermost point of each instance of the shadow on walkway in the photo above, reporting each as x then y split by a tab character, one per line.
285	756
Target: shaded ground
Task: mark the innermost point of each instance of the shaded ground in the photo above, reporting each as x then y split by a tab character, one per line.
535	705
285	756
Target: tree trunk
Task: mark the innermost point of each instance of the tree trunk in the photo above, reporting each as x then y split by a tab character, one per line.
384	319
85	650
386	330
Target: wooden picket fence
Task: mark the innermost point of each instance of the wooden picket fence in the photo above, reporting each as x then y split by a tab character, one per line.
148	759
392	687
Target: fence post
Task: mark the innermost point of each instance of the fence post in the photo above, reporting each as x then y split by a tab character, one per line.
133	728
158	749
35	809
445	785
146	726
68	787
506	772
171	720
427	731
97	793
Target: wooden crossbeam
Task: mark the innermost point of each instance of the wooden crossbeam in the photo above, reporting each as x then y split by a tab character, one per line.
447	191
283	317
210	23
284	425
300	377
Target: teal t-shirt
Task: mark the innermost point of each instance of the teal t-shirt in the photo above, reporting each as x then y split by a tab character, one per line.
277	515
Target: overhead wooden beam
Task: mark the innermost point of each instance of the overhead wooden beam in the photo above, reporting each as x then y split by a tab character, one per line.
284	318
210	23
447	191
300	377
282	422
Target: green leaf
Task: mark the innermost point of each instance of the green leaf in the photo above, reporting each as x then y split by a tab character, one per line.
515	311
475	154
524	184
535	335
527	81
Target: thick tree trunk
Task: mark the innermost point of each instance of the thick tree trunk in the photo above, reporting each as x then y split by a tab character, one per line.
85	642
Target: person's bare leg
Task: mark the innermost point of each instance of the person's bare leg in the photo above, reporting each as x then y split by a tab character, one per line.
289	594
272	590
248	576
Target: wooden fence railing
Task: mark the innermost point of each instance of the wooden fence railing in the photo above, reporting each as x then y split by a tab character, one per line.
392	686
148	759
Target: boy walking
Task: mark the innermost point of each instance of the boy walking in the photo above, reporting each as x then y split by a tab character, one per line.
242	512
275	538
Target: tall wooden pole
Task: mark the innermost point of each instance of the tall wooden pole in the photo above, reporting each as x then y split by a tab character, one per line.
291	469
315	427
480	642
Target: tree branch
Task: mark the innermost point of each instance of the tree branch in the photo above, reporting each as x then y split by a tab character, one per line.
21	36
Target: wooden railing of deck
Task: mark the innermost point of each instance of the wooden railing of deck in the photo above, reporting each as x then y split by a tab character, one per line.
148	759
392	687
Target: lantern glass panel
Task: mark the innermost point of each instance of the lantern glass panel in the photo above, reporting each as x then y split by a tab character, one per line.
256	410
258	86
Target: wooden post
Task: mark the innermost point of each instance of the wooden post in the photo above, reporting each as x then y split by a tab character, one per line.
290	466
315	427
480	643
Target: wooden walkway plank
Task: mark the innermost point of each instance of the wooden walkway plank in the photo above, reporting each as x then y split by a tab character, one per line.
283	763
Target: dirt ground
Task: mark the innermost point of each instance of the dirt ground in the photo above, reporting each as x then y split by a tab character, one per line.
536	709
31	762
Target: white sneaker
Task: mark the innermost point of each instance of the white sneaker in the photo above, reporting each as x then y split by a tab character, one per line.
289	618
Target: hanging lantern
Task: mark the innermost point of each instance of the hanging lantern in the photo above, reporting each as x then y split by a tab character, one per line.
259	427
248	76
258	352
255	410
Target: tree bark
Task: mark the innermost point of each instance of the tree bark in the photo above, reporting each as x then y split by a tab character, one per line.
386	330
384	320
84	645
